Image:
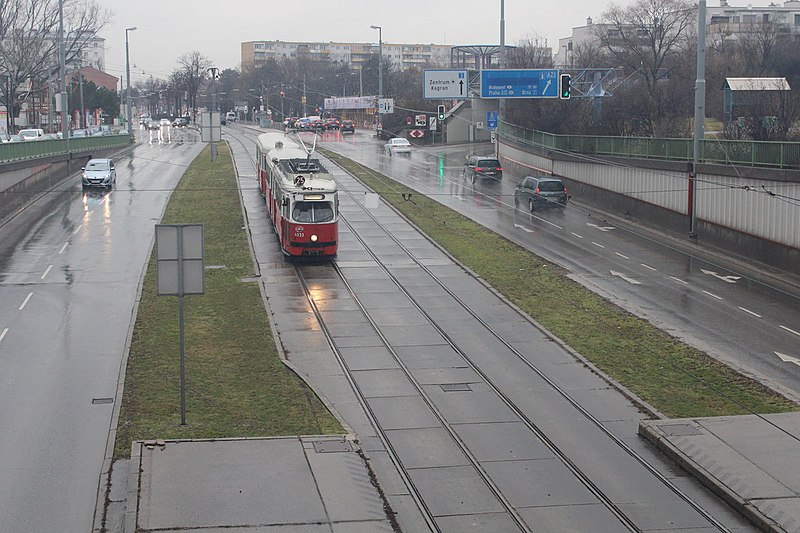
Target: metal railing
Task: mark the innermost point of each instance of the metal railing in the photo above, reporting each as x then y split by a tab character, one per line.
782	155
18	151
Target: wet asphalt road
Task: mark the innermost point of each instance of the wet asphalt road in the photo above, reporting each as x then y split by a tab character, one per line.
711	303
67	291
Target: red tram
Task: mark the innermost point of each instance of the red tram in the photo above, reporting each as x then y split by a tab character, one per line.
301	197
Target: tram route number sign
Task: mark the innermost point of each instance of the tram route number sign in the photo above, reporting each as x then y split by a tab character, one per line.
446	85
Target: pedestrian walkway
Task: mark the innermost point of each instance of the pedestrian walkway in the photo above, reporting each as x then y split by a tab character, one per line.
752	462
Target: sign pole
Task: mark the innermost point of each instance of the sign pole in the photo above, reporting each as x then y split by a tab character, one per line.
182	341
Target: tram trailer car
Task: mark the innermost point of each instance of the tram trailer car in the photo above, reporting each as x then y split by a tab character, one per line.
301	197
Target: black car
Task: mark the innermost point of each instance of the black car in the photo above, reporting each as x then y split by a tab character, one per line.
482	167
348	127
541	191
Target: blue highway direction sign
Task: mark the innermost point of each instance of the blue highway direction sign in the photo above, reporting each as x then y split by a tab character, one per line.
528	83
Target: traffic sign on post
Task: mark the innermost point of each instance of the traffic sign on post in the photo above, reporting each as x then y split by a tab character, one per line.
491	120
446	84
527	83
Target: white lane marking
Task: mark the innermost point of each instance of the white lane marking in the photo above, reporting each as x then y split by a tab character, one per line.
27	299
623	276
713	295
727	279
578	236
785	358
3	334
598	244
46	272
548	222
601	228
791	330
523	228
649	267
77	230
61	251
622	256
679	280
750	312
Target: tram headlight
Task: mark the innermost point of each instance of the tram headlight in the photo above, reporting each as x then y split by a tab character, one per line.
313	238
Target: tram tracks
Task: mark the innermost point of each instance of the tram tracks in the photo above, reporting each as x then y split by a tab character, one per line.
306	276
624	520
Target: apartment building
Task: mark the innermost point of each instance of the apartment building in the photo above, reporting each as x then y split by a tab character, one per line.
724	20
352	54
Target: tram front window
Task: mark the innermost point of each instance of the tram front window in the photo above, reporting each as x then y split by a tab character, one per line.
309	212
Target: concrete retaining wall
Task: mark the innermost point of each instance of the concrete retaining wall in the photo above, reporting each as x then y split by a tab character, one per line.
754	213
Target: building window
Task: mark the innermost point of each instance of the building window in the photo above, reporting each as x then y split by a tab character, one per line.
797	20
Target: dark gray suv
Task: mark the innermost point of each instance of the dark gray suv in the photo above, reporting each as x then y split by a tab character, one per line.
482	167
541	191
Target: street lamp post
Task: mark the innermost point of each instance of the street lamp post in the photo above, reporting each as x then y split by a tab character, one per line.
380	62
129	111
62	66
213	71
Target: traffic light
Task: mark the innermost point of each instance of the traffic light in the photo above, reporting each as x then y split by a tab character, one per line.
440	113
565	88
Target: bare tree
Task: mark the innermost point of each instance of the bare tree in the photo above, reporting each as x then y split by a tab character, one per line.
650	39
193	67
29	39
531	52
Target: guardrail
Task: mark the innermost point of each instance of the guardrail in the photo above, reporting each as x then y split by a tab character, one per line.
37	149
782	155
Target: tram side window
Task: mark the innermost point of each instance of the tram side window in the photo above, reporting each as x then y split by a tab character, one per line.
312	212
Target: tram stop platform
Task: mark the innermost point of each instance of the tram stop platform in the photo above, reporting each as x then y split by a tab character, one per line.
287	484
750	461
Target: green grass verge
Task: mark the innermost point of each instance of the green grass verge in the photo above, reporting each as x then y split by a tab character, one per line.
236	384
677	379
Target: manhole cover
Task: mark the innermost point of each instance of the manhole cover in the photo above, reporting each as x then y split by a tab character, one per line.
332	446
453	387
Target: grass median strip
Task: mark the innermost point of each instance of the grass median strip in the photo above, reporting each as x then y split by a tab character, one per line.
237	385
677	379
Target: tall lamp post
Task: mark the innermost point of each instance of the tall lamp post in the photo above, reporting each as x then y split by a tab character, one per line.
128	115
380	61
62	67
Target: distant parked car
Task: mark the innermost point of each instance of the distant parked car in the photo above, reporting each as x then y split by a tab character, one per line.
541	191
77	134
99	173
31	134
398	145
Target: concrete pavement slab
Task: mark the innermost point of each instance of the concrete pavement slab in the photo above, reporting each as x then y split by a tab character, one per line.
751	461
297	484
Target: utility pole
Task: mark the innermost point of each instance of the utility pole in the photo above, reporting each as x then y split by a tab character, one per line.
501	112
699	116
62	67
80	85
213	71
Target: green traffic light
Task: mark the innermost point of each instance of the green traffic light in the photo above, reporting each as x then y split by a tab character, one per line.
565	86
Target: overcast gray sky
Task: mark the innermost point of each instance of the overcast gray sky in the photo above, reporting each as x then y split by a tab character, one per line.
167	29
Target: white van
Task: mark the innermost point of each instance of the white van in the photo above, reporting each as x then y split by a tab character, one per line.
31	134
230	116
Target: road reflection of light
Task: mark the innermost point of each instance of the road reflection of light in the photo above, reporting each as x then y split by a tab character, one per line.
94	198
318	295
